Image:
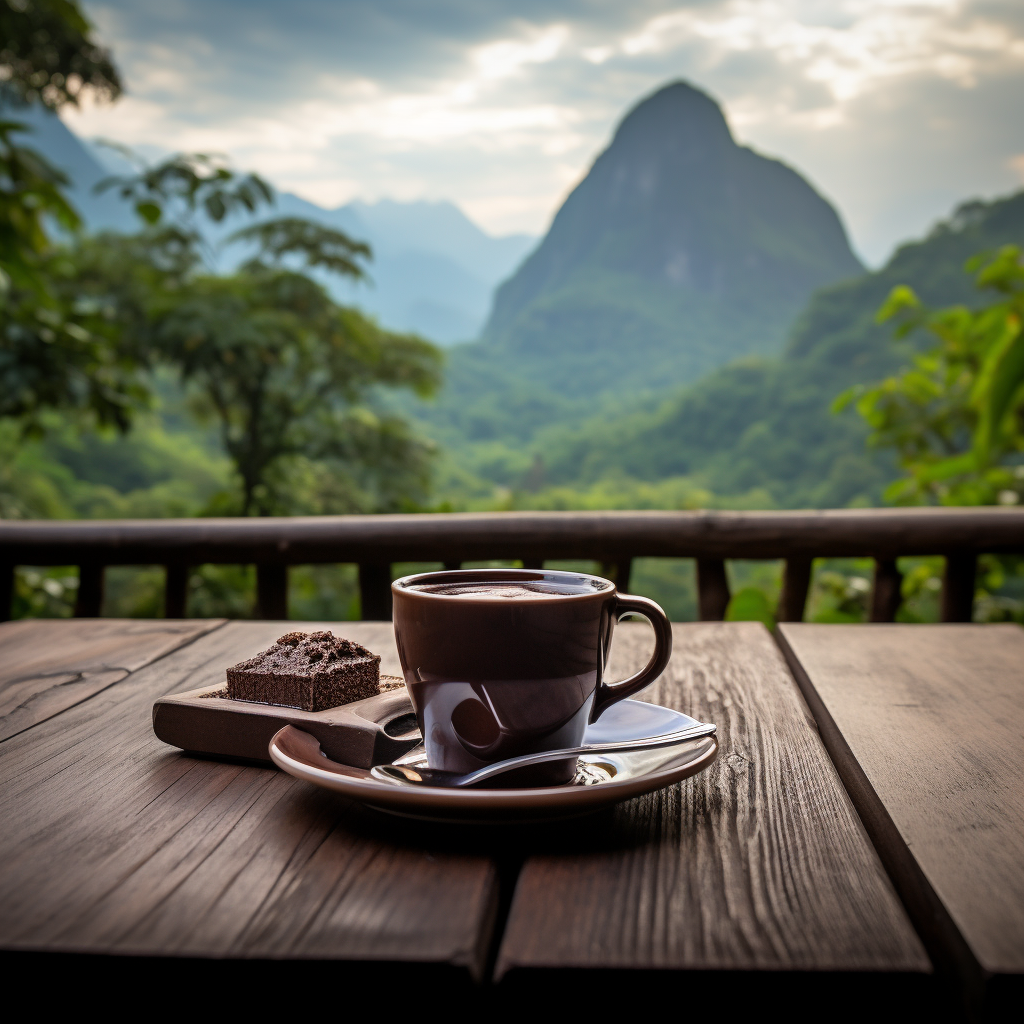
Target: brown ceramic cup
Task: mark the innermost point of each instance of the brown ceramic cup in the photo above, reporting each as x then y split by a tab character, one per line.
503	662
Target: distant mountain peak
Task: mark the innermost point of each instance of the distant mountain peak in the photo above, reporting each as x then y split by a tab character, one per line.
433	270
678	116
678	251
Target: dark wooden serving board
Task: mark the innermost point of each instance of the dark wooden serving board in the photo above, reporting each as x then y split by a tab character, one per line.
364	733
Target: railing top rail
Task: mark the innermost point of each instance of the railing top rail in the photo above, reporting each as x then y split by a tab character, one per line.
471	536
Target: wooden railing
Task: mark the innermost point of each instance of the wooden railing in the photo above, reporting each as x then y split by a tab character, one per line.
613	539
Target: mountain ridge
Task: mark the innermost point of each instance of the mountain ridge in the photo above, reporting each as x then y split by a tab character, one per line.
570	335
766	424
434	269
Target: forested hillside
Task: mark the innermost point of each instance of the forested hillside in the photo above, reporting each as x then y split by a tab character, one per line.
765	424
698	237
678	252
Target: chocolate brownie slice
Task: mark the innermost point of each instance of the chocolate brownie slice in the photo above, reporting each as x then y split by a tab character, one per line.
311	671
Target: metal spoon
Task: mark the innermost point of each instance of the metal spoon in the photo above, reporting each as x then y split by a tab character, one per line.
404	774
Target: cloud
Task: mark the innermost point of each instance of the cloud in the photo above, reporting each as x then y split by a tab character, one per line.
896	110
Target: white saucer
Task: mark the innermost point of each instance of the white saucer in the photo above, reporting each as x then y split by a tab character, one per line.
601	779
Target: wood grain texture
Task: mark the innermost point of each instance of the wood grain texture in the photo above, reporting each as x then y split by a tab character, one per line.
116	843
932	739
50	665
758	864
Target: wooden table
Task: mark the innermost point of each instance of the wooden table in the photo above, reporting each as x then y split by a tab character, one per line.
860	838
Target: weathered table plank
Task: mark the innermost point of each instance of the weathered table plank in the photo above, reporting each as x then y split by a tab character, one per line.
116	843
759	864
48	666
926	726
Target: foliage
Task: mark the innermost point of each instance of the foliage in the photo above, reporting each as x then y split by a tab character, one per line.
31	196
162	467
956	414
51	356
53	351
287	376
757	426
47	54
1000	593
316	244
73	324
840	596
185	184
44	593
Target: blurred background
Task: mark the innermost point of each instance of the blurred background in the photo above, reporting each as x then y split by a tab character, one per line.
348	257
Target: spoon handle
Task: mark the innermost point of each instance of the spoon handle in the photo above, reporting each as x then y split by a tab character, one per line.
669	739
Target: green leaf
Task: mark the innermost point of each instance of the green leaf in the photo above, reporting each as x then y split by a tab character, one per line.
946	468
150	212
841	401
901	298
999	381
216	208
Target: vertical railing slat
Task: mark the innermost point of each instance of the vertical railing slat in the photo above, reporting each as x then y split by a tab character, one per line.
958	587
618	572
375	591
271	591
623	572
796	581
886	591
6	591
712	589
89	600
175	591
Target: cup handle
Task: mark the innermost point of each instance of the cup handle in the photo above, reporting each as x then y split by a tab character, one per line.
625	604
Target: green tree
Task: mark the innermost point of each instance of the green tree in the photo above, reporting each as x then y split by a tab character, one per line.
184	185
288	377
955	416
50	355
48	54
76	315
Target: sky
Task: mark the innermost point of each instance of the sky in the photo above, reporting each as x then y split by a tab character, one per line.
895	111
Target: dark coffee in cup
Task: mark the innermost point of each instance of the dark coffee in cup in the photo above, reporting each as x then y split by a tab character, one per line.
507	662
